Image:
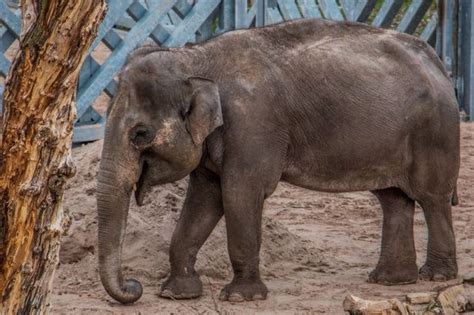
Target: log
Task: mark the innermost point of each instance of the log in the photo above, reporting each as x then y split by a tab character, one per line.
39	103
421	297
456	299
358	306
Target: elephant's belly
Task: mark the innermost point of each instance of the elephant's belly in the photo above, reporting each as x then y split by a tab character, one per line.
351	162
370	178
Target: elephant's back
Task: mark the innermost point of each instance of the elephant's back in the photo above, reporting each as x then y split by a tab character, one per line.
321	50
346	70
374	70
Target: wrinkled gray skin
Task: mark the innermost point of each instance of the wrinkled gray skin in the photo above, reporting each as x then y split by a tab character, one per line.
332	107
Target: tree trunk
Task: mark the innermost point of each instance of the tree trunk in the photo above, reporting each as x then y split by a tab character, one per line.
39	102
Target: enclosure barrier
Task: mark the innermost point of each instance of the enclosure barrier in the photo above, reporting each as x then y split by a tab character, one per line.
445	24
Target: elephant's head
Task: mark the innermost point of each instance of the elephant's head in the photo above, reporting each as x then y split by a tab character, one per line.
155	131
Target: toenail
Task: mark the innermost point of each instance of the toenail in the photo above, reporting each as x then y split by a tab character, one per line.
222	296
258	297
166	293
439	277
236	297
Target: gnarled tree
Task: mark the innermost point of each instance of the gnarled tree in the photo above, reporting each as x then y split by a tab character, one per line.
39	103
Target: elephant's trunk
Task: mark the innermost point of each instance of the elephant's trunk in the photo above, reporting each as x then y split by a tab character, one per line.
114	188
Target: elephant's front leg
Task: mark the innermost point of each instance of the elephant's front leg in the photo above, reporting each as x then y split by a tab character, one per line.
243	197
201	211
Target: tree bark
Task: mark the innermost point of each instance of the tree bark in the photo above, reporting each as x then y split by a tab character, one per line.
39	104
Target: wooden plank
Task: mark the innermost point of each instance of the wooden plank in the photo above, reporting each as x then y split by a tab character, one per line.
114	13
260	16
12	27
2	88
429	32
309	8
469	103
167	20
90	117
186	30
363	9
137	11
114	63
9	19
125	23
465	82
289	9
330	10
349	7
240	14
413	16
6	40
167	25
163	30
387	13
183	7
256	14
161	33
251	15
178	13
3	29
226	15
14	4
111	40
9	34
89	67
111	88
144	3
205	30
447	34
175	16
4	65
87	133
273	14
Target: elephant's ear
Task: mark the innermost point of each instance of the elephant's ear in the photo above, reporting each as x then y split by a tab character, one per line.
205	112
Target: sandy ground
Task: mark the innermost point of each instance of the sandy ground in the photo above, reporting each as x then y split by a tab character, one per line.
317	248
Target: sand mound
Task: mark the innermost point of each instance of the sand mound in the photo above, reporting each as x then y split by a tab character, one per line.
150	228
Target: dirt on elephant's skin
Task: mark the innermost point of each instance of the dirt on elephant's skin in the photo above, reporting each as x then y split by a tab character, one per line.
317	248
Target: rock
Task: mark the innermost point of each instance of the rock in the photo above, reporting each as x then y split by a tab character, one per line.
421	297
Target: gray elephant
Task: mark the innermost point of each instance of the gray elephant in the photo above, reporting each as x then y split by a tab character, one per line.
329	106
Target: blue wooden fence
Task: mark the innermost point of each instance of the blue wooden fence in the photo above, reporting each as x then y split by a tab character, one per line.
173	23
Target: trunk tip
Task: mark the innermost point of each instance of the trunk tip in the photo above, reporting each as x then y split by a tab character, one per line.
130	292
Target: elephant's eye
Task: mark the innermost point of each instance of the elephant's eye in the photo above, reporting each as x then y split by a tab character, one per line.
142	135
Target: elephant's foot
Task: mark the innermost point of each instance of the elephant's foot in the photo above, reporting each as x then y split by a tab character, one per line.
244	290
429	272
182	287
388	275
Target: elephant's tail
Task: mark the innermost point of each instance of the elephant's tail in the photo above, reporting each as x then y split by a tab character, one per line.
455	199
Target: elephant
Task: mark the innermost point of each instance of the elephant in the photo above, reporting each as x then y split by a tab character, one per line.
328	106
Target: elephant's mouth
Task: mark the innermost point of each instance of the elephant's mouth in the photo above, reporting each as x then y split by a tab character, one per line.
142	187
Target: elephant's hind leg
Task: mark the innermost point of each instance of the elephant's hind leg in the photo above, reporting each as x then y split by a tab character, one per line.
397	263
441	259
201	211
